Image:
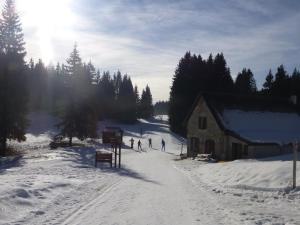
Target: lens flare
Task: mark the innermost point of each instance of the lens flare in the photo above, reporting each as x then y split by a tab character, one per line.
46	20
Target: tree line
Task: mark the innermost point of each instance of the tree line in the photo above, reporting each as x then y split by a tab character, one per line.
194	75
113	95
161	108
75	91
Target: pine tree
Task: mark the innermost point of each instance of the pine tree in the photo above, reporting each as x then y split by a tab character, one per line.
146	105
74	62
105	96
12	37
79	119
269	81
137	101
161	108
281	85
180	96
91	71
38	86
117	80
245	82
222	80
126	101
194	75
295	83
13	93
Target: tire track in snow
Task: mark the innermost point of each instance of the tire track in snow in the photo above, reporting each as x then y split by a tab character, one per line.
211	205
84	209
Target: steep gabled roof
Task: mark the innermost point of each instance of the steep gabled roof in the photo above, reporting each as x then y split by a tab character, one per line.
254	119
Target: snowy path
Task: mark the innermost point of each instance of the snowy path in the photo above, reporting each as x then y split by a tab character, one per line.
157	194
146	199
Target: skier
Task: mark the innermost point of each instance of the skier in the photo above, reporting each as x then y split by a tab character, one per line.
163	145
150	142
139	145
131	143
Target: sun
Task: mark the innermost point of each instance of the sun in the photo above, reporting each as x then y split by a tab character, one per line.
47	21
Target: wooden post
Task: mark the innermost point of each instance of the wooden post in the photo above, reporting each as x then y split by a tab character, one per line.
295	164
115	149
119	156
96	159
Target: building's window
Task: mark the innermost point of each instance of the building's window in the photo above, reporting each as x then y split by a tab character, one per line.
245	150
202	123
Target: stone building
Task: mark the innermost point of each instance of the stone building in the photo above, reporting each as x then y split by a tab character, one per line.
234	127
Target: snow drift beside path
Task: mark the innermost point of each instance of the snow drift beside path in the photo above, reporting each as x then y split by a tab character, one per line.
271	174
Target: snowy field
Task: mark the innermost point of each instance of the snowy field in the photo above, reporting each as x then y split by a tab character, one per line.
62	186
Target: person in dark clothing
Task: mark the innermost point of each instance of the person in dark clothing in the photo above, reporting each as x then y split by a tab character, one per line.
150	142
131	143
139	145
163	145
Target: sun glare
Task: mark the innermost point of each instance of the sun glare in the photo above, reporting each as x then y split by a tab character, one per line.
47	20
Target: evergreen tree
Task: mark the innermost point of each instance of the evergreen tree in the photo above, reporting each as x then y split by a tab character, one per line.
74	63
269	81
79	119
117	80
38	86
192	76
181	96
126	101
295	83
137	101
92	74
106	96
12	37
146	105
13	93
281	85
245	82
161	108
221	78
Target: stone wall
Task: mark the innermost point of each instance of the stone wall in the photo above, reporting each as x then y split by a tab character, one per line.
212	132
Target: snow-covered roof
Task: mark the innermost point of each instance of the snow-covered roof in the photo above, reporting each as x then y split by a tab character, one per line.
259	126
256	119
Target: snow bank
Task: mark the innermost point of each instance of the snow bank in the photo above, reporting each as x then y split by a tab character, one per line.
272	174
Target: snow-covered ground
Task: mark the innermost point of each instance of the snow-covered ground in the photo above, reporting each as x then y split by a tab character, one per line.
63	187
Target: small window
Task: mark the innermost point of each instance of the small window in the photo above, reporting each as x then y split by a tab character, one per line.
202	123
246	150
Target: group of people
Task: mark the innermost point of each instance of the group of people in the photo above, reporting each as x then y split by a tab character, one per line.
139	143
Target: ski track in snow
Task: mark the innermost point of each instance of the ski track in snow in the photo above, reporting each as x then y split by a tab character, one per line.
152	187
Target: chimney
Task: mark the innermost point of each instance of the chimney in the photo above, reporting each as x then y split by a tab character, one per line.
293	99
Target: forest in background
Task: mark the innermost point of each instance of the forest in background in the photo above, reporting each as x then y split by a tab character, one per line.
113	95
74	91
194	75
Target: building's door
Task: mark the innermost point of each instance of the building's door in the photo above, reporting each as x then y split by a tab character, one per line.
210	147
237	151
195	146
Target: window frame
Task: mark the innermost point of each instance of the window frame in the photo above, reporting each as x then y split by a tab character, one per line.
202	122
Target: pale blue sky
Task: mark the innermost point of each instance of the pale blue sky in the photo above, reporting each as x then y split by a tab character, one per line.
147	38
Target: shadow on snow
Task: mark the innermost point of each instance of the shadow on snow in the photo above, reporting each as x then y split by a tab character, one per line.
85	158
